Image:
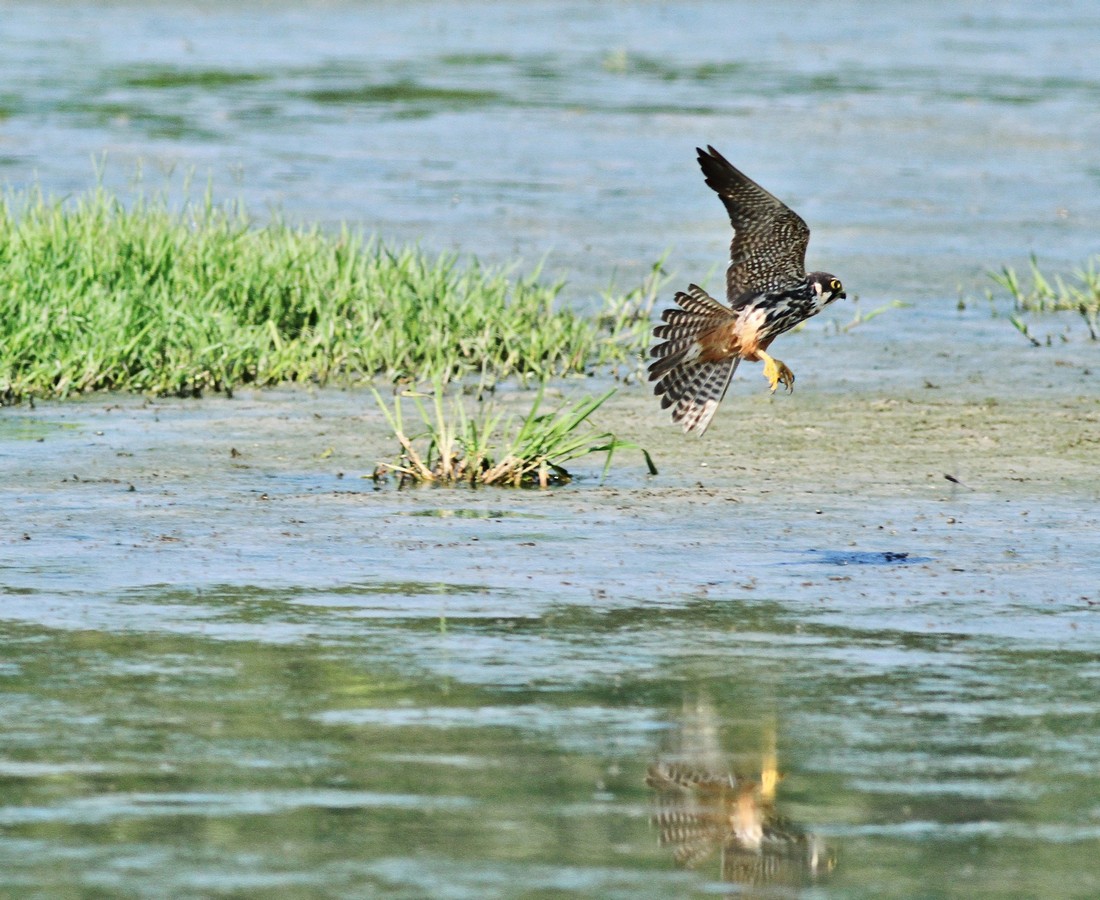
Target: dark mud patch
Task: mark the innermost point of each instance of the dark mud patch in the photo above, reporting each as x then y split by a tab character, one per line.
860	558
467	513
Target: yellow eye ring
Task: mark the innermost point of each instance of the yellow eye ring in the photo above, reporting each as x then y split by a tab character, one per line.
834	285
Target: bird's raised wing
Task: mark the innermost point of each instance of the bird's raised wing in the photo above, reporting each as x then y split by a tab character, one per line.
770	238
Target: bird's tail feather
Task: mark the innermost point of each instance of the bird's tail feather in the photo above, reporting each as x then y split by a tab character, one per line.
692	386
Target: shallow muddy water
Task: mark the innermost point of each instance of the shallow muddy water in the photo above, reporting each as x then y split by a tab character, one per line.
256	672
233	666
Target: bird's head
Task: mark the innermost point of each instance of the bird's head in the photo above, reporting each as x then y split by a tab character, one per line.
826	288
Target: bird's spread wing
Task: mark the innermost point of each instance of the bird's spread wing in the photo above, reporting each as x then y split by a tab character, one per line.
770	238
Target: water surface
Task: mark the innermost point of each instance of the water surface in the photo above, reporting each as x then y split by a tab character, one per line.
257	672
234	667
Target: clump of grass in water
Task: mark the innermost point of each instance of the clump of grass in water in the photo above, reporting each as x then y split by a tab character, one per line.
1041	296
98	295
490	448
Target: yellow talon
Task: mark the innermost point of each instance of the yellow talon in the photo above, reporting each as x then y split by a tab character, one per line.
776	371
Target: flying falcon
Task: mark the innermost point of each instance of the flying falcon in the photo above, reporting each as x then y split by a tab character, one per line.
768	291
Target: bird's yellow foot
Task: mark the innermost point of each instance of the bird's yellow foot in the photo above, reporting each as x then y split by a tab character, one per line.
776	371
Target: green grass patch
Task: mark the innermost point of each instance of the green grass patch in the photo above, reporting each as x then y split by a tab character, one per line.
476	59
488	447
153	122
403	91
1036	293
160	78
97	295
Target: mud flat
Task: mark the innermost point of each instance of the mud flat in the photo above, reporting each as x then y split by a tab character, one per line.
988	474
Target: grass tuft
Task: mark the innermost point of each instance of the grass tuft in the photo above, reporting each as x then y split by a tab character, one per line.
491	448
1044	296
859	317
99	295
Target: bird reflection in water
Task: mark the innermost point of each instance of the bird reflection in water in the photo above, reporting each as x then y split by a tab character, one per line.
704	808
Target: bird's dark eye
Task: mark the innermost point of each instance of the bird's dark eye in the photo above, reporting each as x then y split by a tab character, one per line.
834	285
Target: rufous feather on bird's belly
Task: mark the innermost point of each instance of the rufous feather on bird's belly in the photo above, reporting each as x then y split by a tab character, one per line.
739	337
